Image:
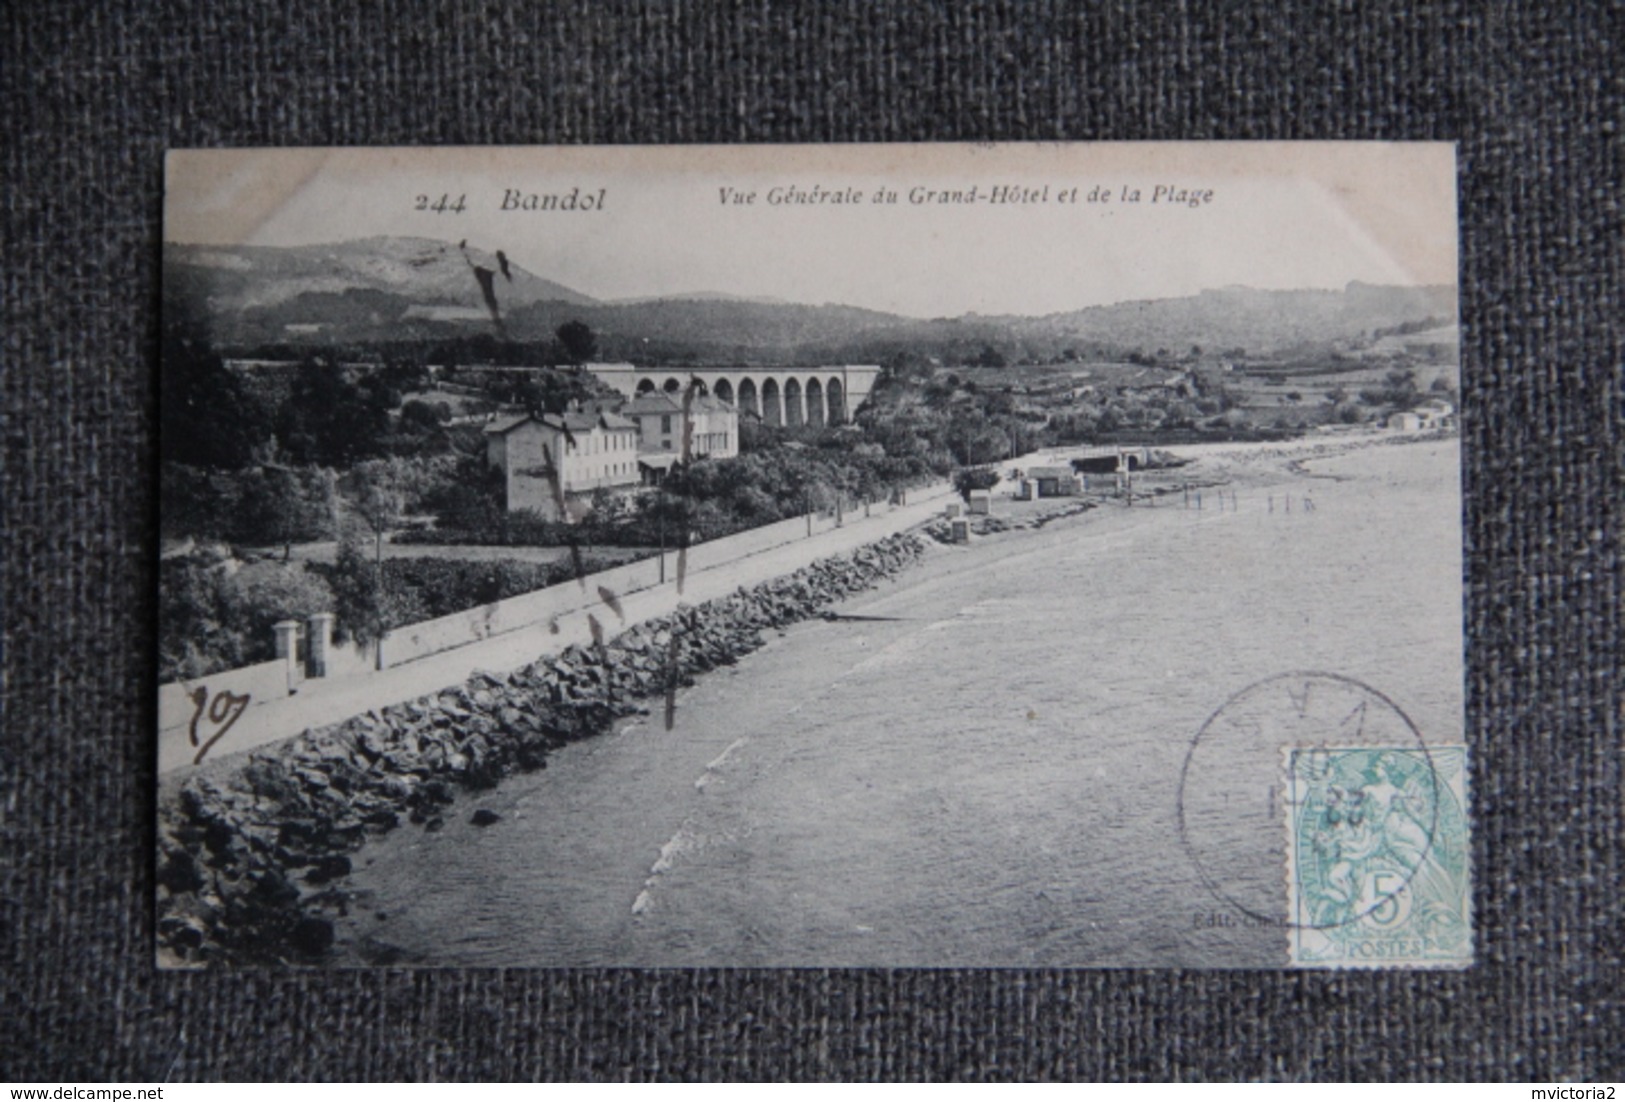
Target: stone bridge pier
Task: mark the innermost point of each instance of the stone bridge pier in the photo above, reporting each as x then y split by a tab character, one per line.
778	395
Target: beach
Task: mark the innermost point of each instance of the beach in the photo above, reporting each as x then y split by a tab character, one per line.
980	763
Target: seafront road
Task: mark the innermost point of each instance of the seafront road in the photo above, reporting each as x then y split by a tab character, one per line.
322	702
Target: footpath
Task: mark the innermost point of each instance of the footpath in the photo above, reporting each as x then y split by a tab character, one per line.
322	702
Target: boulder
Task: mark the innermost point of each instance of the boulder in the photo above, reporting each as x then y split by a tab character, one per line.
223	851
311	936
328	869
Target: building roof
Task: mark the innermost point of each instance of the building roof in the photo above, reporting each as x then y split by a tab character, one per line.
1049	472
655	403
569	422
586	422
707	403
659	461
506	424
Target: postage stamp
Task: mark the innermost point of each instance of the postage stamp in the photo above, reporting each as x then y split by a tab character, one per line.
1378	857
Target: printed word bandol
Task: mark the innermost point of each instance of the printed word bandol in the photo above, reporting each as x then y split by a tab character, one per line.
573	200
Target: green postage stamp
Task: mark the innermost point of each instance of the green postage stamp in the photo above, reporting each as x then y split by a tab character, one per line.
1377	857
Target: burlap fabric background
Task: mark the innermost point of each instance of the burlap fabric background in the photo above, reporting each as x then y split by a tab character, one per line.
93	95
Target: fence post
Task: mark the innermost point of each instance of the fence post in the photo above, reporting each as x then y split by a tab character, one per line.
320	634
287	649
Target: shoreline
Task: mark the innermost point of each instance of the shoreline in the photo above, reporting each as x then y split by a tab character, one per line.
837	799
230	842
266	916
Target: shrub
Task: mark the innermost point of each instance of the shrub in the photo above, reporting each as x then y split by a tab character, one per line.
256	505
196	502
371	599
967	479
261	594
528	528
363	607
212	619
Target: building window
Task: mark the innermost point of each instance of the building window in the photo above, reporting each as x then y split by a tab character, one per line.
665	422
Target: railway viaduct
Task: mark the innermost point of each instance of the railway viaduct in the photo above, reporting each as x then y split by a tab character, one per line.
778	395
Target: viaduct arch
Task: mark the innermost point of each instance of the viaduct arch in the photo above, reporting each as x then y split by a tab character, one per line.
778	395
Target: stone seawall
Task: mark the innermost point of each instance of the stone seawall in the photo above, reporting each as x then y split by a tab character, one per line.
250	866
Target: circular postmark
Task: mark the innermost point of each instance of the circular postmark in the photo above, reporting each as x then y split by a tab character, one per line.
1309	800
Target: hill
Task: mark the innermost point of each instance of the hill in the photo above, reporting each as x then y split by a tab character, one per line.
1260	321
422	271
398	290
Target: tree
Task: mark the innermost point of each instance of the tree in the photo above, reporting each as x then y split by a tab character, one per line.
259	595
551	391
1400	389
358	593
901	367
204	416
425	415
579	341
975	440
378	490
329	420
609	508
287	504
967	479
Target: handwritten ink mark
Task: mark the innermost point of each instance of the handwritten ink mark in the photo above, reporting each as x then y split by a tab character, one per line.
226	709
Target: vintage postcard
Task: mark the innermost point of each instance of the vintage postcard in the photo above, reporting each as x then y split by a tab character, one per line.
786	556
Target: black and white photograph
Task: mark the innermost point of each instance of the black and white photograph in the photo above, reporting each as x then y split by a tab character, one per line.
895	556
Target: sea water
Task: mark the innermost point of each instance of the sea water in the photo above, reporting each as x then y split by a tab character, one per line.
983	766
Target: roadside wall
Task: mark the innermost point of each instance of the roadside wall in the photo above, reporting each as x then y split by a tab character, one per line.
404	644
563	605
431	636
260	683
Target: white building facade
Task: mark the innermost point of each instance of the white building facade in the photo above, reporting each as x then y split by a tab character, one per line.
547	462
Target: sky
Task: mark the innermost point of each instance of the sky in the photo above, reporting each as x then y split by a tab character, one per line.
1274	216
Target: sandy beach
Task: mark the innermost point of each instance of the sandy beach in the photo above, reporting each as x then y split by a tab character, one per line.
979	764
